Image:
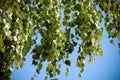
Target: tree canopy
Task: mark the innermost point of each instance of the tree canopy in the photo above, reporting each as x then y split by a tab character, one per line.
62	25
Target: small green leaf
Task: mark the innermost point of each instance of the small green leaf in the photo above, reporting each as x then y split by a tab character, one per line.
99	37
37	71
111	41
59	66
58	71
72	35
1	41
34	62
51	75
46	78
17	67
50	67
80	75
118	36
68	62
39	68
101	54
63	37
32	78
3	50
55	79
31	31
100	34
119	45
21	64
10	10
59	44
66	73
71	49
67	33
18	58
74	43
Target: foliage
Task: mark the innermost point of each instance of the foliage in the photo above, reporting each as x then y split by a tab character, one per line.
77	25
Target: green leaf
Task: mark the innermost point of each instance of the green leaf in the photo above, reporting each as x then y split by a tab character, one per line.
67	34
50	67
20	23
66	73
100	34
60	44
18	58
59	66
39	68
1	41
46	78
68	62
63	37
99	37
21	64
58	71
10	10
118	36
32	78
34	62
71	49
74	43
17	67
80	75
111	41
101	54
31	31
51	75
3	50
55	79
72	35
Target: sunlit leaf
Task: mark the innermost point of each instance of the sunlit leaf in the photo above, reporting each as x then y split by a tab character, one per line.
31	31
63	37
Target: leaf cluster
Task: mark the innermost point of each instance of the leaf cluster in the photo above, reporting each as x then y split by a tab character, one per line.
62	25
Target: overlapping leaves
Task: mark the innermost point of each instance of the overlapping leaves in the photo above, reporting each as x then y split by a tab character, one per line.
77	25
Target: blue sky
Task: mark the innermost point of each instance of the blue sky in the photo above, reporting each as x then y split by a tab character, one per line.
105	68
